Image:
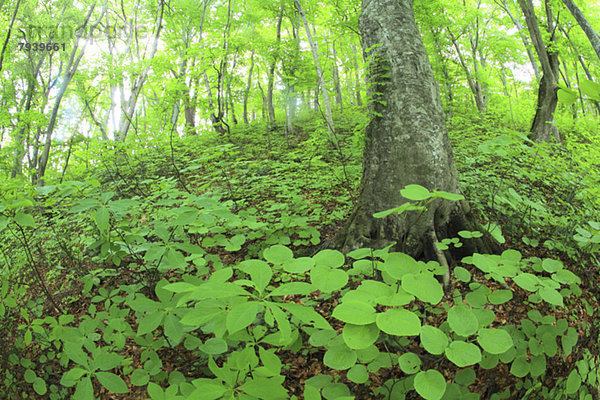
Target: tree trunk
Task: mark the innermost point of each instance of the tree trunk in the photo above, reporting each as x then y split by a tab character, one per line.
592	35
356	76
543	128
406	143
315	53
247	90
271	77
336	79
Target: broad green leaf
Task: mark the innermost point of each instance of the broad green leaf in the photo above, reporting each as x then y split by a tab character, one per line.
463	354
590	89
500	296
462	320
397	265
359	337
358	374
399	322
241	315
430	384
433	340
260	272
494	341
520	367
447	195
567	96
39	385
573	382
551	296
139	377
551	265
278	254
415	192
72	376
424	286
410	363
355	313
112	382
24	219
329	258
282	320
306	315
527	281
298	265
84	389
462	274
150	322
214	346
101	218
292	288
339	357
207	391
328	280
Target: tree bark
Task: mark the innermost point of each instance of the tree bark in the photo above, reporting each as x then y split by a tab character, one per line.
271	76
543	128
315	53
592	35
406	143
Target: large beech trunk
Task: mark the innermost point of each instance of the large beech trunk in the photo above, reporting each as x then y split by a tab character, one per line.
406	143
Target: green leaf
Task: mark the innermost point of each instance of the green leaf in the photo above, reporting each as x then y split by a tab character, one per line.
590	89
551	296
527	281
430	384
353	312
462	274
339	357
39	385
462	320
24	219
520	367
358	374
299	265
265	388
29	375
567	96
329	258
397	265
214	346
328	280
433	340
293	288
84	389
447	195
500	296
306	315
463	354
424	286
241	315
150	322
101	218
465	377
410	363
207	391
72	376
360	337
260	272
494	341
573	382
399	322
112	382
278	254
551	265
139	377
415	192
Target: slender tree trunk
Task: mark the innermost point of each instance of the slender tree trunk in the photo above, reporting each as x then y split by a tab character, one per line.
315	53
543	128
523	36
271	76
357	87
336	79
589	31
71	69
406	142
248	87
